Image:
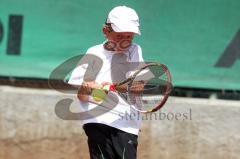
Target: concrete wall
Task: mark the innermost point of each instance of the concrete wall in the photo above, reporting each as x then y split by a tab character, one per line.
184	129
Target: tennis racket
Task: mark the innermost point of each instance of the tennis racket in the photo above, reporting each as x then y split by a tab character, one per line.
147	89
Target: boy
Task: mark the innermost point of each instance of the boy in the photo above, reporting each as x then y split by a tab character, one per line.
110	134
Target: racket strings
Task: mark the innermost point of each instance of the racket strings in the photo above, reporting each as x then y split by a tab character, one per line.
150	90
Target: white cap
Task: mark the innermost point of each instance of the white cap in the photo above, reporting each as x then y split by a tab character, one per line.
124	19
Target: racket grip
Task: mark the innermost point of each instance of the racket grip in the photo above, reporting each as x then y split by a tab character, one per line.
109	87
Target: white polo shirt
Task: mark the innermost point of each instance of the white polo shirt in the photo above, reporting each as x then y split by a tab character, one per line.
122	116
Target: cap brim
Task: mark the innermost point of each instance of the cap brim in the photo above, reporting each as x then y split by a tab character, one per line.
126	28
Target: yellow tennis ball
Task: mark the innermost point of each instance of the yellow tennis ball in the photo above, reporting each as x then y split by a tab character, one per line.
98	95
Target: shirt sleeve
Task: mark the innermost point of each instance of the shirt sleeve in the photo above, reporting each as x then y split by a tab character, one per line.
135	59
136	54
77	75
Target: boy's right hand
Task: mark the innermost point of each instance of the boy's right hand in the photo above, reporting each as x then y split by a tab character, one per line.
86	89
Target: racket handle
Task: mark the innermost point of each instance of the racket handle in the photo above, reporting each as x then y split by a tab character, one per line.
109	87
